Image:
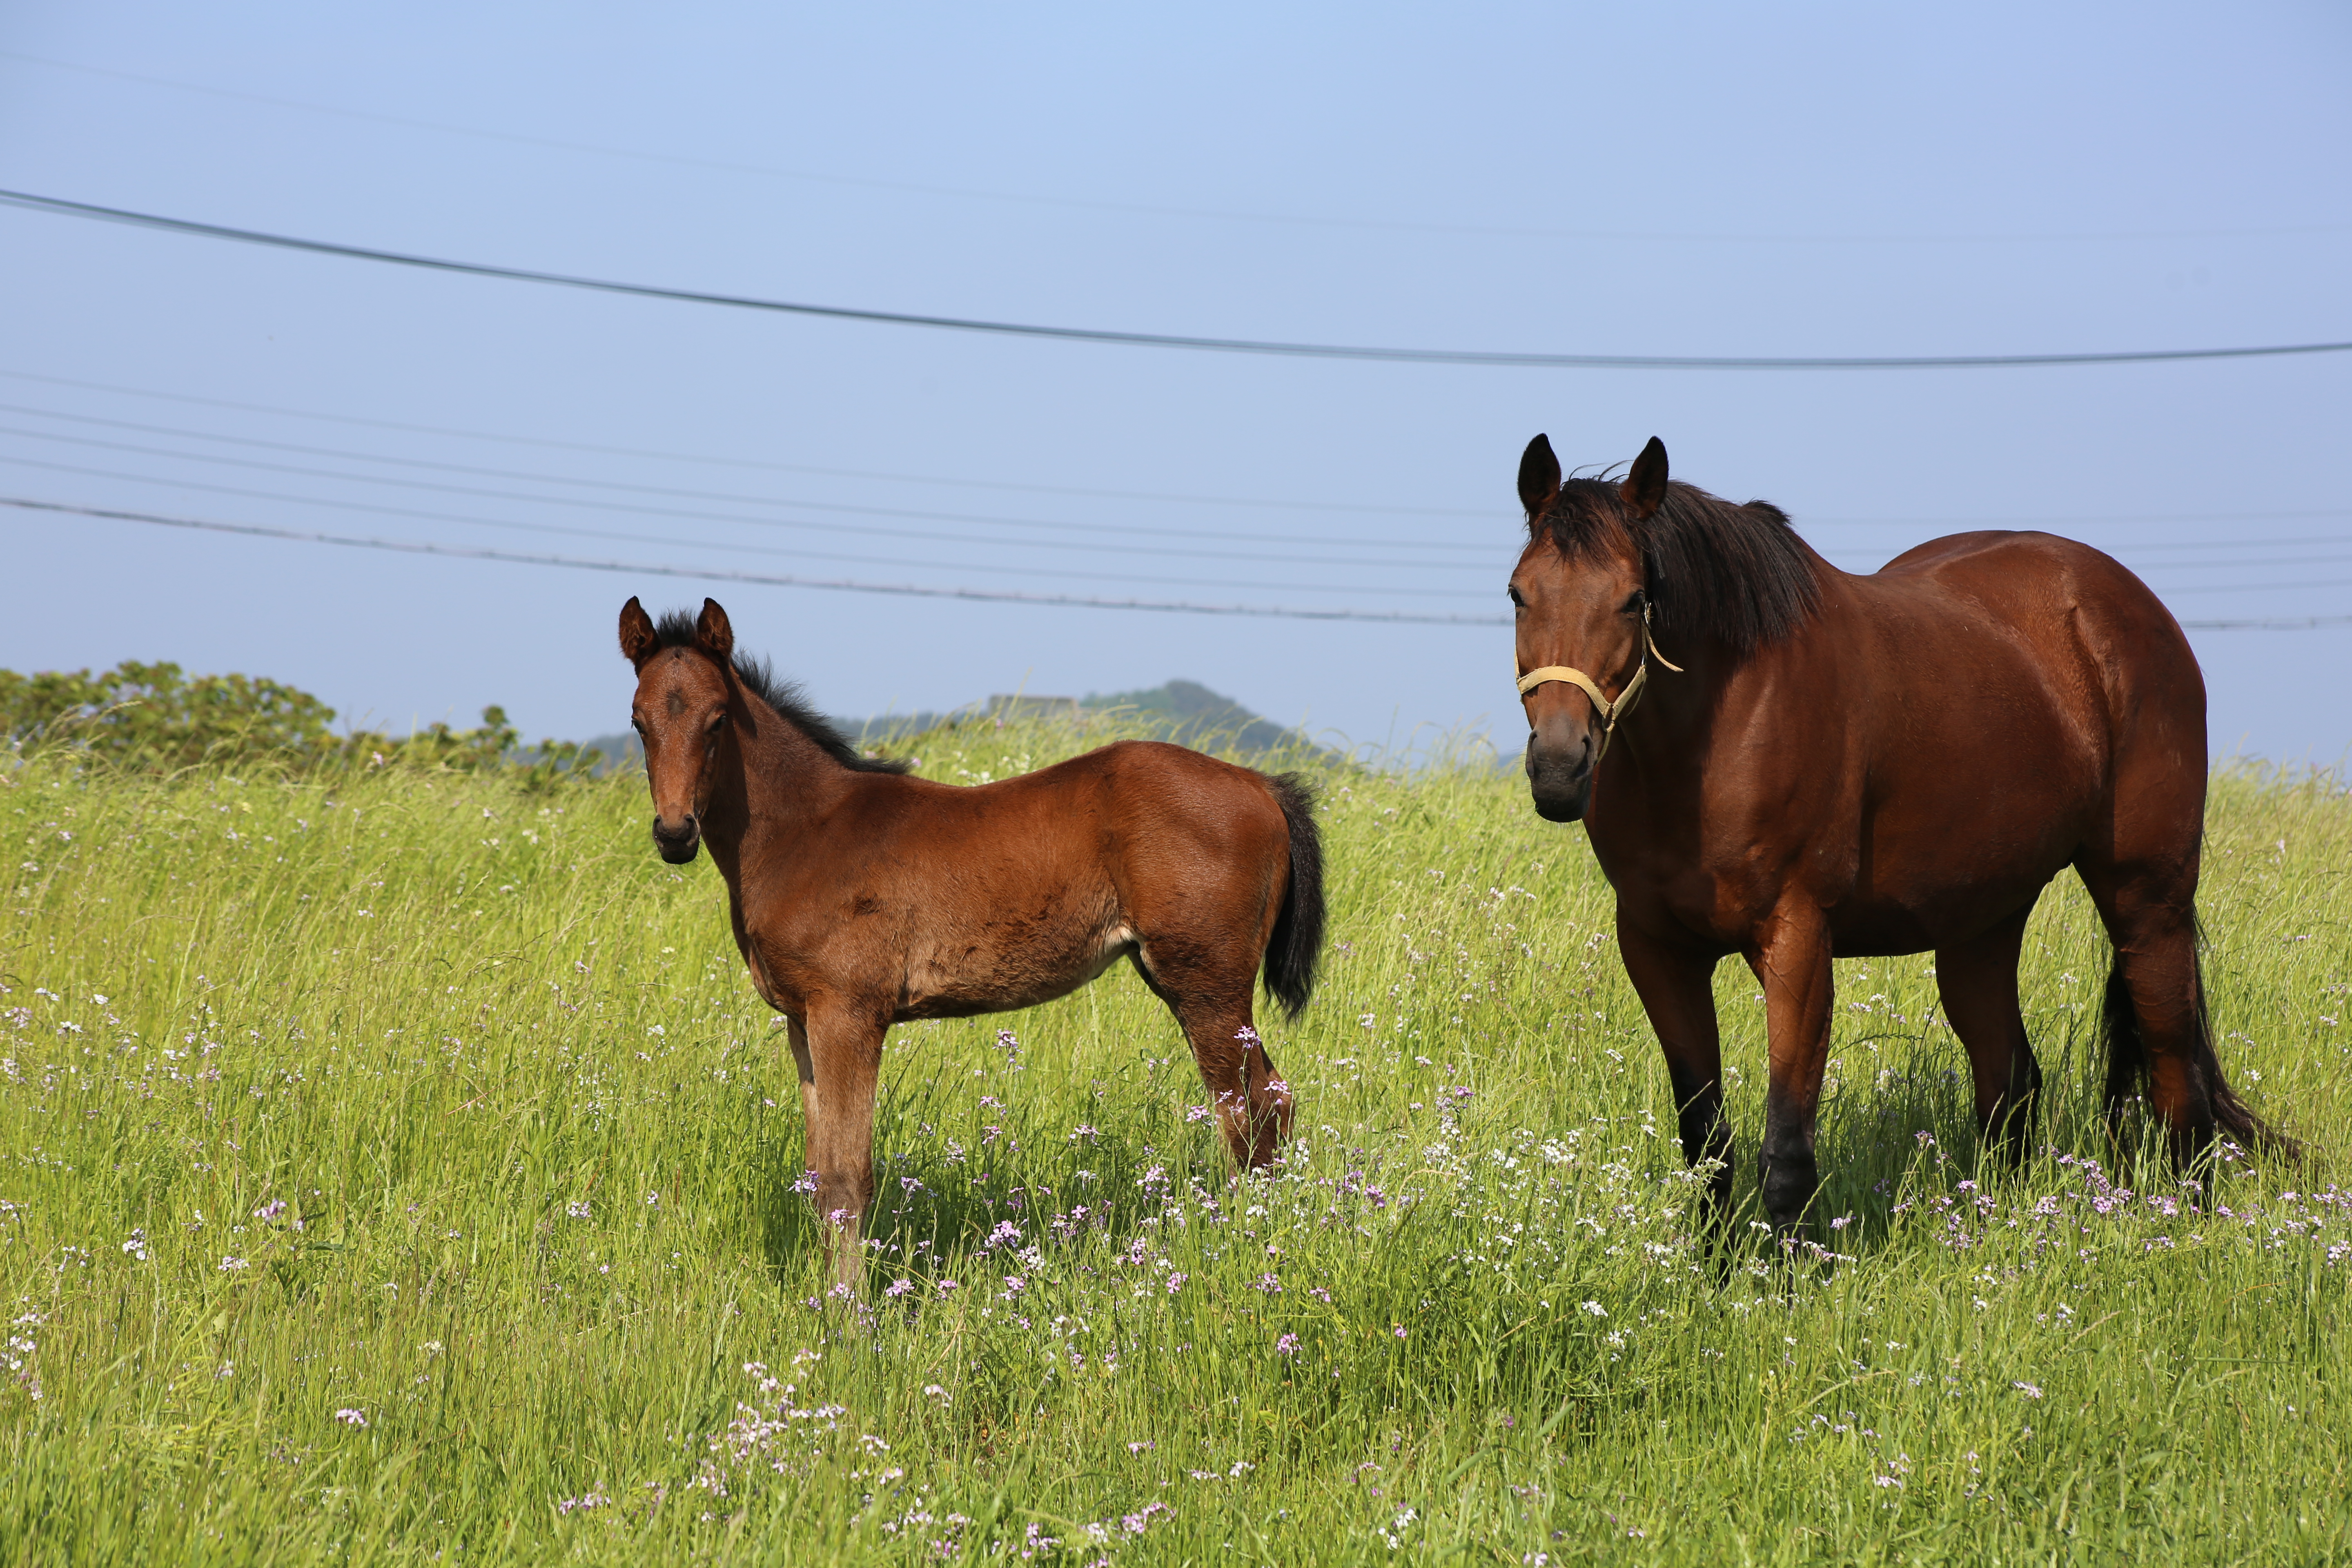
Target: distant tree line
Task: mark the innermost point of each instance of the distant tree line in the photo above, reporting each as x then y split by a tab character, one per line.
156	717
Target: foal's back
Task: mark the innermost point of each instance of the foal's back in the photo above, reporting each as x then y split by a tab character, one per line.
1010	893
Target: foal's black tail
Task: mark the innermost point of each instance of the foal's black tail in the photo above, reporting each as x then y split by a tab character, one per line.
2128	1068
1296	944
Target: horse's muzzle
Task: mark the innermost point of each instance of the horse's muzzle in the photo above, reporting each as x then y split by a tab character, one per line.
1561	784
677	843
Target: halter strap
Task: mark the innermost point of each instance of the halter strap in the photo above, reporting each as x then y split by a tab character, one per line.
1609	711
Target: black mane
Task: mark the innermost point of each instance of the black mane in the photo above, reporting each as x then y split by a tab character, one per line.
676	629
1710	568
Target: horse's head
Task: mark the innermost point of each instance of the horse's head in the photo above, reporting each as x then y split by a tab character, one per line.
686	692
1583	618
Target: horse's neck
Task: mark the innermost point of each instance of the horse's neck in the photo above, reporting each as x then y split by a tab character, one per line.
1680	708
786	786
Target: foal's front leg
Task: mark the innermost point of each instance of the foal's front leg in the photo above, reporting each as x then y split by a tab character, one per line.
839	1051
1790	957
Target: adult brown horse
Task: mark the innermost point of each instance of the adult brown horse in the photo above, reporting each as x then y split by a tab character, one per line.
863	897
1843	766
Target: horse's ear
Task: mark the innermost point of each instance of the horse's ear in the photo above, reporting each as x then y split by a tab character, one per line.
639	641
713	636
1538	477
1645	489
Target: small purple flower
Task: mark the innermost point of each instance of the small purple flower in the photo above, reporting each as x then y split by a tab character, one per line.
1176	1282
1287	1345
352	1418
899	1287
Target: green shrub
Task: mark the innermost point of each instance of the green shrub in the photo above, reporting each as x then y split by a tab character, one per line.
154	717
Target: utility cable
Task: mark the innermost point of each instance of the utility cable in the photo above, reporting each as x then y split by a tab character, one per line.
1484	357
2297	623
990	596
731	497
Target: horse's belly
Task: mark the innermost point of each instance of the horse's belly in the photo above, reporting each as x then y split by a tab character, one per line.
956	981
1884	923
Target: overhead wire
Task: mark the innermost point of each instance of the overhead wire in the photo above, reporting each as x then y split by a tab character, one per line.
990	596
731	497
508	525
415	547
863	530
607	450
1351	507
1491	359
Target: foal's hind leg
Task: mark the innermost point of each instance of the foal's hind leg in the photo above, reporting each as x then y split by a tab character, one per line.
1976	980
1212	1003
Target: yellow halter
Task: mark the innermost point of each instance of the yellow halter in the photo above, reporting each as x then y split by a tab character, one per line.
1609	711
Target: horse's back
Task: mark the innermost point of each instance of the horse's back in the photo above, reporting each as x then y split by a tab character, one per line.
2014	702
2114	653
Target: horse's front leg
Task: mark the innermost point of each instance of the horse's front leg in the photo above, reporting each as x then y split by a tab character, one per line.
839	1050
1790	958
1675	985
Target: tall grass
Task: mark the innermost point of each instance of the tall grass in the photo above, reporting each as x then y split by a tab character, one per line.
400	1168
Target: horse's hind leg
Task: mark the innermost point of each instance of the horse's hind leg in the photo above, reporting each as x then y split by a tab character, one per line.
2156	1023
1677	987
1976	981
1212	1003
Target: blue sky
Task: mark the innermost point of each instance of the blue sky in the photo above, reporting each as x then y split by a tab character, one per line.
1813	179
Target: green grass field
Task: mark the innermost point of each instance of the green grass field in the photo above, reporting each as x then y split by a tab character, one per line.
399	1168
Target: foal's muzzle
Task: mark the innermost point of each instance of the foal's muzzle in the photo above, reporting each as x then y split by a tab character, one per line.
677	843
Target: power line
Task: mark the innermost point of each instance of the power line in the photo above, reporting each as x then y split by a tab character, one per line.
1154	210
611	451
1484	357
1353	508
573	530
864	529
463	553
864	511
987	595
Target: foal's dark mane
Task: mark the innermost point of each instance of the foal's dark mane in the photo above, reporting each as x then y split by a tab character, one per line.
1738	573
676	629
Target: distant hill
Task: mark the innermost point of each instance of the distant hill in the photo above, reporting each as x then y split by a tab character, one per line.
1193	715
1185	711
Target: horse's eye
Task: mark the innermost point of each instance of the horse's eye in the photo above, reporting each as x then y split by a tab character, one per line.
1522	604
1633	604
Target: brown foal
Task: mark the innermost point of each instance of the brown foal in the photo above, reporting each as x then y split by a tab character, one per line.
1856	766
862	897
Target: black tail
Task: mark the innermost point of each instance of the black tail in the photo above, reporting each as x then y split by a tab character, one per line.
2128	1068
1297	945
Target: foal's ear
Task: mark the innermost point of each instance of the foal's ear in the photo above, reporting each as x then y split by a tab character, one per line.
1645	488
638	642
712	635
1538	477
